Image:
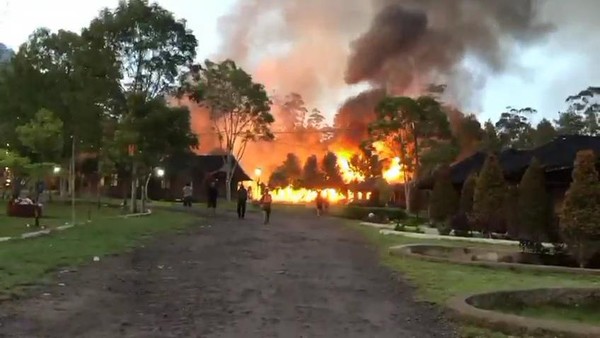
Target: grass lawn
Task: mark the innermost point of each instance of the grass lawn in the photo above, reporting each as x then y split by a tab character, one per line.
54	214
438	282
31	261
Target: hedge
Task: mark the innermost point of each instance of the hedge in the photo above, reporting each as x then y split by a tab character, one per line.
362	213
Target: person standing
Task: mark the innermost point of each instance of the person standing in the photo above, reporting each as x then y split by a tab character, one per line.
242	195
187	195
212	195
265	202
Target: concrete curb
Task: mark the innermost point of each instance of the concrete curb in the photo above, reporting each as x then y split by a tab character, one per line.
453	238
404	250
45	232
513	324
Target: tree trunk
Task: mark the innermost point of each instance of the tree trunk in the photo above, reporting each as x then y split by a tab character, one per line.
133	206
228	176
145	192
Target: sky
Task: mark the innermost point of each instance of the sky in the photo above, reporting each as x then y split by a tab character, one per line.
542	76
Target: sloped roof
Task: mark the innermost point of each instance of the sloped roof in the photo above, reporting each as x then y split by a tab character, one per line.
205	164
557	154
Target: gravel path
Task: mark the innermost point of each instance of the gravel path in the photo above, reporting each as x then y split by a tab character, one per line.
302	276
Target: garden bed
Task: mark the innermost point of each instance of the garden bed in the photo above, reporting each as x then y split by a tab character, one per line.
493	258
555	312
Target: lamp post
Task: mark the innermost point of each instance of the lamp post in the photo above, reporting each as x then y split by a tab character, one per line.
257	173
159	172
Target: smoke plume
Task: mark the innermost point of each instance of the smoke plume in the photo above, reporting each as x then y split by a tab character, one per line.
318	48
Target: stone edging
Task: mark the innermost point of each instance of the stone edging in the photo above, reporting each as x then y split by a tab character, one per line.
513	324
404	250
45	232
387	230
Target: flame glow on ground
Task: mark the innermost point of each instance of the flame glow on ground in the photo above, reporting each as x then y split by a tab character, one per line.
393	172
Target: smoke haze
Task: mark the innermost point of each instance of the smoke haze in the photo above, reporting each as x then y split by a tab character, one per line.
318	48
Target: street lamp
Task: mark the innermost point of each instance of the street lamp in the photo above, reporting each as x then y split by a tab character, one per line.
56	170
160	172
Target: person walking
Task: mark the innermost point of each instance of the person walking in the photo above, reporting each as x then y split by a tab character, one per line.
319	201
187	195
265	202
242	195
212	195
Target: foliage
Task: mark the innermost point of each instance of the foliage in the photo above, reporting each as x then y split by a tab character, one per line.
362	213
534	212
331	171
514	128
489	195
583	114
580	215
416	199
467	194
384	191
490	141
238	107
405	121
312	177
43	136
444	199
544	133
288	173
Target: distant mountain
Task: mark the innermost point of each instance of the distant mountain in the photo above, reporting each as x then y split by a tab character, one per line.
5	53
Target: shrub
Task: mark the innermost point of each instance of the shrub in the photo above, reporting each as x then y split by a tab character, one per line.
362	213
444	199
580	215
461	225
415	197
533	203
488	197
466	194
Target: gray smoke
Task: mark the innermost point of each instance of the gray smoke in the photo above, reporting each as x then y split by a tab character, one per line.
317	47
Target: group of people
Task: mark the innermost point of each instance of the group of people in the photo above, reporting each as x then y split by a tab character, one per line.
265	201
242	199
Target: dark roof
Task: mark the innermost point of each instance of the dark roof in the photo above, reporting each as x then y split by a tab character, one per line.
557	154
205	164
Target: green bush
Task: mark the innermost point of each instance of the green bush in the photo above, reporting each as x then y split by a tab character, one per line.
533	205
444	198
362	213
580	216
488	198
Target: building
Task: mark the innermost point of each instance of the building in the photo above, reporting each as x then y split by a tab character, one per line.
556	157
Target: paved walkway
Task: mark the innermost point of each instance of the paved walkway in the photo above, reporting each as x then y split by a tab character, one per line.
302	276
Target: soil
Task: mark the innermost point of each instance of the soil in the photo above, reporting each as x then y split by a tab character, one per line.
301	276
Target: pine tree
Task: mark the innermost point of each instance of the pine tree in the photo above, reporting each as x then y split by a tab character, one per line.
466	194
444	199
488	198
534	218
580	215
511	211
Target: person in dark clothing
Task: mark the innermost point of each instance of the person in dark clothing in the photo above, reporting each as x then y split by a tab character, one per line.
212	195
241	202
320	203
187	195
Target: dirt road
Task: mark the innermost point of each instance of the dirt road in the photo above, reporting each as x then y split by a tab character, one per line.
302	276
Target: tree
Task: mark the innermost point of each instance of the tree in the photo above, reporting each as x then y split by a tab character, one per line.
331	171
544	133
510	210
489	195
586	106
312	177
43	136
580	215
288	173
315	119
533	205
467	194
238	107
151	49
295	112
444	199
17	168
402	122
514	128
490	141
570	123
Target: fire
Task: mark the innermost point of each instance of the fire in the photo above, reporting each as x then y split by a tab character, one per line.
393	172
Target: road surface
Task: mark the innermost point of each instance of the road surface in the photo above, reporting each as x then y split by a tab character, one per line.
302	276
